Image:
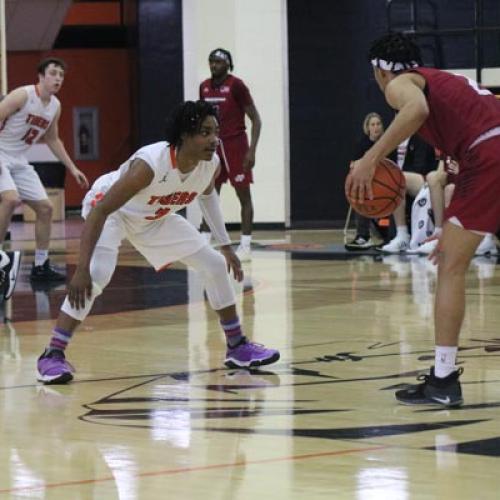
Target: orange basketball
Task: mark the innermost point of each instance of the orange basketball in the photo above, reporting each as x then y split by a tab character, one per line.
388	187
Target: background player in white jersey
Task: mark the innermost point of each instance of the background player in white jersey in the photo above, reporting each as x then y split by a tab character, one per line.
138	202
29	114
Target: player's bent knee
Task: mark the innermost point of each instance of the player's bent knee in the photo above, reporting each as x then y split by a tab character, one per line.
102	266
452	263
43	209
81	313
211	262
216	267
11	203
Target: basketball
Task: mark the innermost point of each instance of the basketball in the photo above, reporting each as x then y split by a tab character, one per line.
388	187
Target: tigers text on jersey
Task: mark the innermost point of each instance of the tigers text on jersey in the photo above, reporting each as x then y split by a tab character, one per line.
25	127
167	193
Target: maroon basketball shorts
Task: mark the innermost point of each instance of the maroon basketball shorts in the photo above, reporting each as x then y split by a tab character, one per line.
476	200
232	152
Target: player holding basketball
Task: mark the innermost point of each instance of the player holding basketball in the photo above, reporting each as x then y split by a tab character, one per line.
27	115
463	120
139	202
373	128
233	101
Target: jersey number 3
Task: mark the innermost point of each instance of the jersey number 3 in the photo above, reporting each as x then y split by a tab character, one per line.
161	212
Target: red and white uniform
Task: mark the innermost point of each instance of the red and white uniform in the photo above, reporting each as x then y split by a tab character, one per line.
149	220
464	123
17	133
230	98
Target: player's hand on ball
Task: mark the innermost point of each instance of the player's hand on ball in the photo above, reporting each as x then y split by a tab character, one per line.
358	184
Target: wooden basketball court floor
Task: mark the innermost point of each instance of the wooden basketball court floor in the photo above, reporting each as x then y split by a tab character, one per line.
153	413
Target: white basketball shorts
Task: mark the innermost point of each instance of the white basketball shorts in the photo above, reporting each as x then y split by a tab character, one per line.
17	175
161	242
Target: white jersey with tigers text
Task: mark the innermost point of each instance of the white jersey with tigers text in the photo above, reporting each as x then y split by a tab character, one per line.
27	125
167	193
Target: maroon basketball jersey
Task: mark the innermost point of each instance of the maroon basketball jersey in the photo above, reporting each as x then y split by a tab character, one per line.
459	111
230	98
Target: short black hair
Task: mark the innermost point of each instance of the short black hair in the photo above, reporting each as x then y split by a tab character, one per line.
187	118
396	48
45	63
222	54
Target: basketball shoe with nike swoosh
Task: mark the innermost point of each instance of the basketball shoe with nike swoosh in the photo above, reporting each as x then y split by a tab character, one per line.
433	390
249	354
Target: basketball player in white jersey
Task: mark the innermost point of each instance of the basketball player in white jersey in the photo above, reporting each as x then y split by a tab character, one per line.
29	114
138	202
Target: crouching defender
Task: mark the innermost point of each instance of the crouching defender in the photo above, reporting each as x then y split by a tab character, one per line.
138	202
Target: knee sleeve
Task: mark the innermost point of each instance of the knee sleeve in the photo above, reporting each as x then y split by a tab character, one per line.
212	266
102	266
82	313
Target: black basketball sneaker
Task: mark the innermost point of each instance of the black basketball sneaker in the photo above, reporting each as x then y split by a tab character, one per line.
434	391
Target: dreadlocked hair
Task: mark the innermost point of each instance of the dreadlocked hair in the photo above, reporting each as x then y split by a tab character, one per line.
396	48
187	118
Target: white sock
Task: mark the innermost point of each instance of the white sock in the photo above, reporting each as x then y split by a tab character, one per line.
41	256
246	240
402	231
438	231
444	360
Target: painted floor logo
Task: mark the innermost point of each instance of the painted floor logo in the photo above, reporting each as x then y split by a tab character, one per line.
306	394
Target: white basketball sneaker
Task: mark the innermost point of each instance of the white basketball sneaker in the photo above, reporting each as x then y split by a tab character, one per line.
427	248
487	246
244	253
397	245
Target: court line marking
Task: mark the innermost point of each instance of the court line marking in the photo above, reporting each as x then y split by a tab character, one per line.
170	472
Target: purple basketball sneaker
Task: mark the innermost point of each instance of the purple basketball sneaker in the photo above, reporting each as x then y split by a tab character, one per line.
247	354
53	368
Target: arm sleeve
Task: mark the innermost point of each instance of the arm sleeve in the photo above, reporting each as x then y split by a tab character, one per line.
212	213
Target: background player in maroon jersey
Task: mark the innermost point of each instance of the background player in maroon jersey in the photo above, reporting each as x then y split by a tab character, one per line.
463	120
30	114
233	101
